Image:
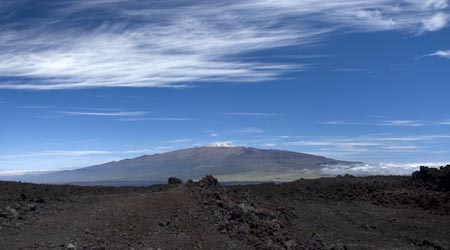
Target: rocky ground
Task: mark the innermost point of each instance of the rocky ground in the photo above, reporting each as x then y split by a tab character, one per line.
330	213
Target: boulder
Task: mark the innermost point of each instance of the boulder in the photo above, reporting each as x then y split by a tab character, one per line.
174	181
437	179
208	181
71	246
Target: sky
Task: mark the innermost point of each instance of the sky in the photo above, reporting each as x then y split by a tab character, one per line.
86	82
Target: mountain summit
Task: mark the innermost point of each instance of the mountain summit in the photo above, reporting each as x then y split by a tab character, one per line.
227	162
221	145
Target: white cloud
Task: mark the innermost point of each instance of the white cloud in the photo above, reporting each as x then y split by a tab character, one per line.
441	53
436	22
406	123
444	123
430	4
55	153
35	107
289	136
249	114
348	70
179	141
172	119
399	123
140	44
249	130
369	146
133	113
227	144
377	168
116	113
154	150
401	147
334	142
7	173
340	123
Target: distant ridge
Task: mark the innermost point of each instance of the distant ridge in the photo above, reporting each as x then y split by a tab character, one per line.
224	160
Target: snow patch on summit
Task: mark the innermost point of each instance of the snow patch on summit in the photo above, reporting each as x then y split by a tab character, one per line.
221	145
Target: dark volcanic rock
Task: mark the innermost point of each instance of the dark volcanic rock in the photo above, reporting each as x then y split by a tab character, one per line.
329	213
208	181
433	178
174	181
260	228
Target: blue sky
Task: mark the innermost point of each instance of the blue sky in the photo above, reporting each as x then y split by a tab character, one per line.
84	82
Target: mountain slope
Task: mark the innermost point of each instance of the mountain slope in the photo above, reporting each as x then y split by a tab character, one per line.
230	163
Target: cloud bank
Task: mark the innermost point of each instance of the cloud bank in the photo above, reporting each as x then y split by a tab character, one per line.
118	43
377	168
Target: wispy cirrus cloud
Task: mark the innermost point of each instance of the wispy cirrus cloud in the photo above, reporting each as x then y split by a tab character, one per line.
436	22
255	131
55	153
113	114
369	145
338	122
117	114
443	122
249	114
416	138
127	116
347	143
249	130
10	173
347	70
393	123
402	123
172	119
440	53
154	150
174	44
35	107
